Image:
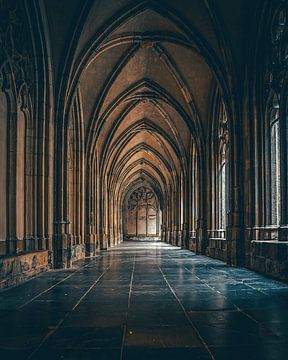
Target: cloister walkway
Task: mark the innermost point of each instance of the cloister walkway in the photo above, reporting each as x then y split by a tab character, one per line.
146	301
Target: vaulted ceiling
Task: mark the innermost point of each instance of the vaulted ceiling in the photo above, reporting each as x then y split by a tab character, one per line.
145	71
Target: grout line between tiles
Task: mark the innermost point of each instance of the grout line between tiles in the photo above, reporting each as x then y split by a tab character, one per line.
52	331
129	301
53	286
237	307
187	316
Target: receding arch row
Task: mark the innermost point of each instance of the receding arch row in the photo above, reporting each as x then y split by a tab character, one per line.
167	60
146	125
118	180
157	94
169	165
153	93
193	37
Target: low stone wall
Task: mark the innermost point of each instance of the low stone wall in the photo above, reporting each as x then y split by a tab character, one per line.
78	251
217	248
19	268
192	243
269	257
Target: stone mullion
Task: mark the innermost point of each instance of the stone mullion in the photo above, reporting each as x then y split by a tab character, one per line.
72	194
266	173
82	195
201	206
234	232
114	219
164	217
41	176
257	205
89	214
191	193
171	215
207	209
214	193
97	204
176	215
283	166
110	217
12	241
114	228
105	230
47	180
61	237
29	196
157	221
78	194
186	214
90	209
76	213
146	219
34	184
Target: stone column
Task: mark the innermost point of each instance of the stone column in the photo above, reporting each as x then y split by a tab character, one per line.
185	236
201	237
12	240
175	235
235	239
62	245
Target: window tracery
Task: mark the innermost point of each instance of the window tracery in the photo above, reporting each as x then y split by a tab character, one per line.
142	197
223	136
274	125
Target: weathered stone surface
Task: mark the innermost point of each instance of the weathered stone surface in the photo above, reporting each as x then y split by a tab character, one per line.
78	251
269	257
16	269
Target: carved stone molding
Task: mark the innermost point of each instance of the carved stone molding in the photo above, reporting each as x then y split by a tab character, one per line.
15	49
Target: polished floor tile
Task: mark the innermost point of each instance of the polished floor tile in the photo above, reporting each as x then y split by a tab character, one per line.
146	301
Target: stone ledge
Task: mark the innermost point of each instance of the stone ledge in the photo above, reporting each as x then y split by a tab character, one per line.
276	242
19	268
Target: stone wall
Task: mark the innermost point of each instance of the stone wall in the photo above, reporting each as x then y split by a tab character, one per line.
78	251
16	269
269	257
217	248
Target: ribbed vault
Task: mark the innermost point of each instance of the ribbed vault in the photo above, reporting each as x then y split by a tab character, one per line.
141	82
144	118
142	111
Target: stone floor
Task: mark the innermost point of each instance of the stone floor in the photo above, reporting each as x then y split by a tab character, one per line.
146	301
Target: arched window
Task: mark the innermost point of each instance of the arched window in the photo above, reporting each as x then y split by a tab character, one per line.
142	214
194	188
276	73
274	168
222	188
222	168
195	192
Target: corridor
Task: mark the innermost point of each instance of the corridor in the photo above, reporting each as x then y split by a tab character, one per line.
146	301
